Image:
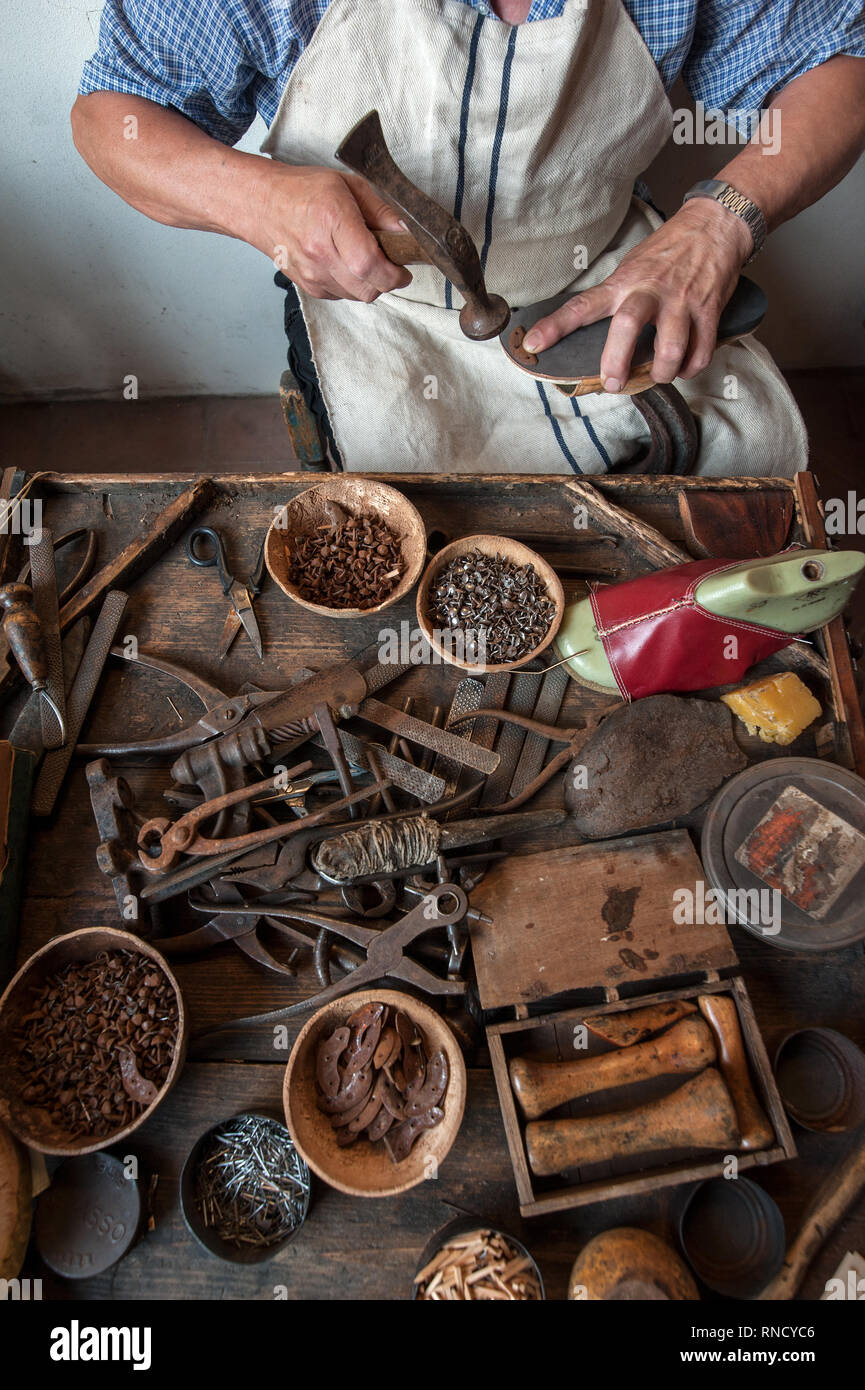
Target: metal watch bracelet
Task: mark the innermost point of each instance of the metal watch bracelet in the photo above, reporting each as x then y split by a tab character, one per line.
735	202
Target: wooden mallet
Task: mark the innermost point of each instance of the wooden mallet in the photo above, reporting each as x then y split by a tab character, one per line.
541	1086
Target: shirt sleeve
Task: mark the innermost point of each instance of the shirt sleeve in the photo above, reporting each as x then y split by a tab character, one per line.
744	53
207	60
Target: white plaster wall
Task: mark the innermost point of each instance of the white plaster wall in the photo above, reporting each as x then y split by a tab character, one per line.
91	291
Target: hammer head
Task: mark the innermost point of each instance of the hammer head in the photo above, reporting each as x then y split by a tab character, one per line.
443	241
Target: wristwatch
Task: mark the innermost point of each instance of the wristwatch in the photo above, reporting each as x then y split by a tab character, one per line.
735	202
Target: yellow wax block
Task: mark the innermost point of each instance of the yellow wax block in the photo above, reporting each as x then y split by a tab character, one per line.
776	708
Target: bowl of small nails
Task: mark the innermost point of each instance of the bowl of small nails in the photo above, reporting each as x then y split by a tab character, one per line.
244	1189
93	1036
374	1092
347	547
489	603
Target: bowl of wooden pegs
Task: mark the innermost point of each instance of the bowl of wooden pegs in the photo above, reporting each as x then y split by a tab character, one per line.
346	548
374	1092
93	1036
467	1261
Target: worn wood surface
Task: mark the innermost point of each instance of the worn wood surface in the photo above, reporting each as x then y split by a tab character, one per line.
179	613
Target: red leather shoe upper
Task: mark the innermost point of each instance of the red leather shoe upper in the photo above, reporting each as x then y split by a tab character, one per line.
658	639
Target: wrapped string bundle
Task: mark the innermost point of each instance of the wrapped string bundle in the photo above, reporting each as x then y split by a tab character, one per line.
379	847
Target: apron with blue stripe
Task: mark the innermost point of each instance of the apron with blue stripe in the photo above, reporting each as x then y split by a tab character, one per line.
534	136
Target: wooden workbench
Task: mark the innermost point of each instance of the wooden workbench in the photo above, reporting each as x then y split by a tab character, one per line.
351	1248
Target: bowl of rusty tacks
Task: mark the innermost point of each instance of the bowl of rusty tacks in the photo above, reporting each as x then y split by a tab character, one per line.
244	1189
467	1261
93	1037
345	547
374	1092
487	603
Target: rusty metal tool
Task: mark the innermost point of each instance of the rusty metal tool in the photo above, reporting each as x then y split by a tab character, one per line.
47	609
117	823
206	548
426	786
385	950
258	868
541	1086
407	844
56	762
521	700
23	631
698	1115
720	1012
27	729
467	698
142	552
160	840
554	685
572	738
231	920
433	235
414	730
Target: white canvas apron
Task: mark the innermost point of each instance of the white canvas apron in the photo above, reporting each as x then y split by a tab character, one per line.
533	136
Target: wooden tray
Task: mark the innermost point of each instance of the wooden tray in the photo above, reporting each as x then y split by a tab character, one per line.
179	613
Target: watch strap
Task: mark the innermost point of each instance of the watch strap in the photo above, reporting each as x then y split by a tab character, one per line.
735	202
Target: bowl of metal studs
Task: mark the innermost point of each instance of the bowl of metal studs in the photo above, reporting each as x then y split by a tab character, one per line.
244	1189
374	1092
488	603
346	547
93	1037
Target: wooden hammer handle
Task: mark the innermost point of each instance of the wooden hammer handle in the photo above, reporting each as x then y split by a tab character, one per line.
720	1010
699	1115
843	1186
401	248
541	1086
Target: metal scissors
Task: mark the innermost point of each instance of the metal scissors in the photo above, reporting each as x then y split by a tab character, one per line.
205	548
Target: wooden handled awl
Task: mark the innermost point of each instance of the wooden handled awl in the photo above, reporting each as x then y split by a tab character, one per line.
833	1198
754	1127
541	1086
23	631
699	1115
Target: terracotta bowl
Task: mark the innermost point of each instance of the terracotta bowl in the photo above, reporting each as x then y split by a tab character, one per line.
365	1169
360	497
30	1123
518	554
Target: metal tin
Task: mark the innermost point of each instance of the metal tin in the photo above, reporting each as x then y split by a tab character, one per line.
207	1238
89	1216
739	806
821	1078
732	1234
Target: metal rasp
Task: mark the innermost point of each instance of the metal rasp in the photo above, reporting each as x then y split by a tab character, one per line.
43	581
525	688
437	740
56	762
467	696
554	686
424	785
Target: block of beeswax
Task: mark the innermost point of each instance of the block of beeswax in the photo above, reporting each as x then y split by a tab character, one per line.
776	708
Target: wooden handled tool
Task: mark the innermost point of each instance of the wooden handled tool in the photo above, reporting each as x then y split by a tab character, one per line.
23	631
699	1115
841	1189
720	1011
635	1025
541	1086
435	236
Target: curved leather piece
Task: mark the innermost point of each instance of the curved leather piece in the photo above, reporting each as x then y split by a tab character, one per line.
658	639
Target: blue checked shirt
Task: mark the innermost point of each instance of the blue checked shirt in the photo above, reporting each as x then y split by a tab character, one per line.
220	62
